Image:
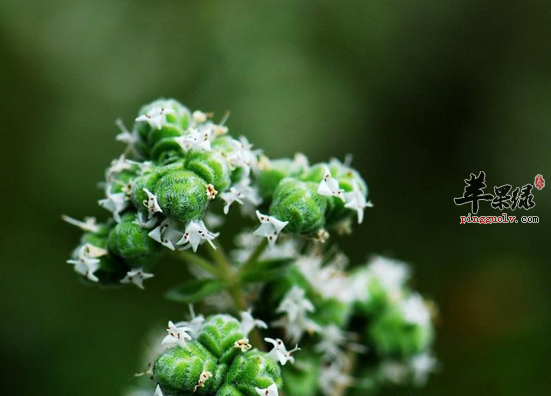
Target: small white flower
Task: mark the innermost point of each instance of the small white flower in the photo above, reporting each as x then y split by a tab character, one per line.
269	391
241	193
229	197
199	117
248	323
176	335
136	277
331	345
279	352
196	232
196	139
392	274
145	222
89	224
194	325
127	137
158	391
422	366
355	200
151	203
329	186
295	306
241	155
394	372
156	117
166	234
219	130
115	203
85	264
204	377
117	166
270	227
331	378
415	310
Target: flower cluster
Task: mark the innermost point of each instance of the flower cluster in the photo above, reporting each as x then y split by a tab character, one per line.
359	327
177	166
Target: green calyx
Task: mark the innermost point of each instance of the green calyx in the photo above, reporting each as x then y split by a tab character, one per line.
211	166
131	243
299	203
182	196
215	363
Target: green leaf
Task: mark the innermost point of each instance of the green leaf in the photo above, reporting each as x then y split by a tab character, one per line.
194	290
267	270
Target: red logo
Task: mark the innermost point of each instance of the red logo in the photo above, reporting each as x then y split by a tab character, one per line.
539	182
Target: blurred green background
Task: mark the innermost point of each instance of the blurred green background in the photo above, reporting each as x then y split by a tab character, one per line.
422	93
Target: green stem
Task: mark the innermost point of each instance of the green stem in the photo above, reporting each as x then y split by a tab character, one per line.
255	255
233	282
199	262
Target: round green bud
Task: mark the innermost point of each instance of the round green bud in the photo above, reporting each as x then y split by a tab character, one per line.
394	335
182	195
130	242
219	335
167	151
179	117
178	370
277	170
254	369
211	166
299	203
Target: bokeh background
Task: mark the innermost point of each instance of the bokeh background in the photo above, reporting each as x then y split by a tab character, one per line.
422	93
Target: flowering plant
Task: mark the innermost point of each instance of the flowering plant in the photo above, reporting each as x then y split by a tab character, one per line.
358	329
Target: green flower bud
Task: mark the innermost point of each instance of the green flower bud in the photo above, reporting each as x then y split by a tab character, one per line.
277	170
179	117
211	166
166	151
254	370
130	242
403	329
182	196
299	203
166	132
179	369
219	335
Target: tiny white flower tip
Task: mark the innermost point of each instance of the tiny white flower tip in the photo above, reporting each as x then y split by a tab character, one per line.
156	117
329	186
151	203
269	391
158	391
136	277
